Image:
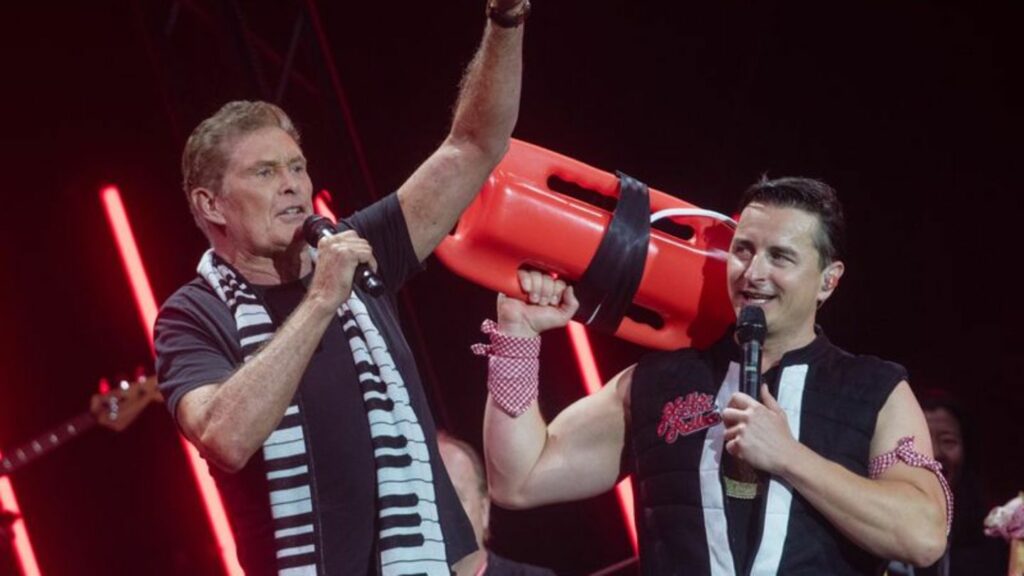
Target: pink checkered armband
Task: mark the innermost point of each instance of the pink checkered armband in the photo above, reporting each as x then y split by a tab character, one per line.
904	451
512	369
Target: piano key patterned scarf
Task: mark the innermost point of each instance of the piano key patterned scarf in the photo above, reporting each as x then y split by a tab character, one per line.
410	540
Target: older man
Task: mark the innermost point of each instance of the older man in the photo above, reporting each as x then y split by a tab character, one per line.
845	447
297	386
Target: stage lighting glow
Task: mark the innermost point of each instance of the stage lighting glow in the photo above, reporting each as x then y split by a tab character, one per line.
22	545
130	259
146	305
322	205
593	382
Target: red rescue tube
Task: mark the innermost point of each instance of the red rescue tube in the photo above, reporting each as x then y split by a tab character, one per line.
520	220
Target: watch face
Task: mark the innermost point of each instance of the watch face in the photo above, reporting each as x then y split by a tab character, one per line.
509	17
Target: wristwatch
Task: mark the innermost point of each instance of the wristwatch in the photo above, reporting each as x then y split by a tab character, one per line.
511	17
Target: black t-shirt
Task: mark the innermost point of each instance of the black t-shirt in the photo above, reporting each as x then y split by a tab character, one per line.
197	344
498	566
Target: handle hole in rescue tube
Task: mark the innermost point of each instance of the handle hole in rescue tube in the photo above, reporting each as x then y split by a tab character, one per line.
605	202
543	209
673	228
642	315
582	193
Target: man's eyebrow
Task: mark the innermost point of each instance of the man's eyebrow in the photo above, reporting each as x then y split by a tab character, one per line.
783	250
262	163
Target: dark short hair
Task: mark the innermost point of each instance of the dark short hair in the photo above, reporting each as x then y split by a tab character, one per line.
812	196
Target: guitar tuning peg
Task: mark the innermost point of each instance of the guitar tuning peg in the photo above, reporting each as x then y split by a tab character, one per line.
124	385
104	386
140	373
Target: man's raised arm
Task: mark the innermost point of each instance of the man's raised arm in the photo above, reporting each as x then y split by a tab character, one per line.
485	114
530	463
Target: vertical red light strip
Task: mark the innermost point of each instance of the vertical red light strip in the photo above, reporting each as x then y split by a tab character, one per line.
146	304
593	382
130	259
22	544
322	205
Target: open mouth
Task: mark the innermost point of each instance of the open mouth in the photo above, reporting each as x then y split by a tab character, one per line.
756	298
293	211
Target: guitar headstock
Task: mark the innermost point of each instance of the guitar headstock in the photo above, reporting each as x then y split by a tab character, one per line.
122	404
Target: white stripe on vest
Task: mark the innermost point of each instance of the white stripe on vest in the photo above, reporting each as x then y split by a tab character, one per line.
711	485
780	494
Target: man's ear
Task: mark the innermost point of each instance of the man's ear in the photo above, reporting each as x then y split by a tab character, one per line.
830	277
206	205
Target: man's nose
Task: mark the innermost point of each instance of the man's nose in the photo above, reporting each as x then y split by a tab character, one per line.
291	182
756	269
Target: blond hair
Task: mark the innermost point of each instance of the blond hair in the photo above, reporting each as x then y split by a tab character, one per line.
206	153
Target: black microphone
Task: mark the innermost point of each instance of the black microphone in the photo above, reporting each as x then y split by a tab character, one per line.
316	227
750	331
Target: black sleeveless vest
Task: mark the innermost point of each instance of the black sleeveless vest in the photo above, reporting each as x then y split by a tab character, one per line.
832	400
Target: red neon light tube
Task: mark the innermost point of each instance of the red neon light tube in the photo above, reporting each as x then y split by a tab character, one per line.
592	381
22	545
322	205
130	259
146	304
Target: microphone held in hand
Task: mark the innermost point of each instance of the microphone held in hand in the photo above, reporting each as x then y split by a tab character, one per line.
750	332
741	479
316	227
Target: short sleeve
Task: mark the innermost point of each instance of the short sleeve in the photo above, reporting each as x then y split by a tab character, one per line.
196	343
383	225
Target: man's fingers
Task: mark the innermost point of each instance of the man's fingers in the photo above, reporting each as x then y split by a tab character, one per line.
769	400
732	416
547	289
741	400
541	287
536	287
733	447
569	304
525	280
558	292
371	261
733	431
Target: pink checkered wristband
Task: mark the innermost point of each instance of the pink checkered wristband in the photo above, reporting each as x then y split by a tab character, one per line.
513	369
904	451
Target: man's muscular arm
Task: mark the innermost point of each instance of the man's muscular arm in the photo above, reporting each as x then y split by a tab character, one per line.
229	421
530	463
900	515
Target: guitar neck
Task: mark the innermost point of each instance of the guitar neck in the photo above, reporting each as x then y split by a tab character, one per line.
45	443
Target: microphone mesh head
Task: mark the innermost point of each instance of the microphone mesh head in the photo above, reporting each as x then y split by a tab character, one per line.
313	229
751	325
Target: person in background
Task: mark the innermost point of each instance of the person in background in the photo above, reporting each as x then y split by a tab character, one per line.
466	469
969	552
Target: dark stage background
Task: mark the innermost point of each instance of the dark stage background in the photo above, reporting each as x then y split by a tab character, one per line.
910	109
